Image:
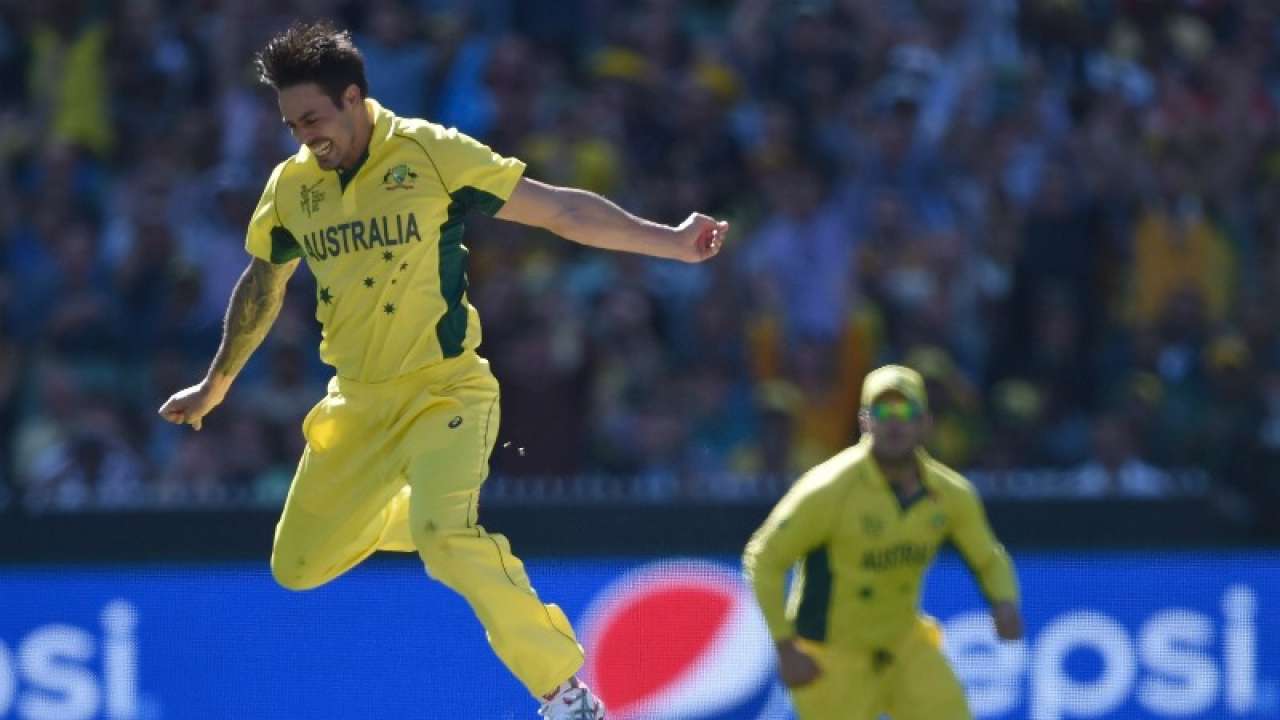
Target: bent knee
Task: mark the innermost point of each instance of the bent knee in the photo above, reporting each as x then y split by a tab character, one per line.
432	536
291	572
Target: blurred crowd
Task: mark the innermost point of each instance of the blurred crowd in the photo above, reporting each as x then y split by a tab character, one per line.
1062	212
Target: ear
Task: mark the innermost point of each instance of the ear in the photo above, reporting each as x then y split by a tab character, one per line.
351	95
864	421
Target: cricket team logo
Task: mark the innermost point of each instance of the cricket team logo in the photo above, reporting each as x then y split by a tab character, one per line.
400	177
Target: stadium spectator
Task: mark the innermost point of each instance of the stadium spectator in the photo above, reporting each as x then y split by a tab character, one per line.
1065	213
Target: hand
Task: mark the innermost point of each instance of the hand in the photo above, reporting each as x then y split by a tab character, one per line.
191	405
1008	620
795	666
700	238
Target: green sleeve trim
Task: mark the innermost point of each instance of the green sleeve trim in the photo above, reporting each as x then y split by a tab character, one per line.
481	201
284	247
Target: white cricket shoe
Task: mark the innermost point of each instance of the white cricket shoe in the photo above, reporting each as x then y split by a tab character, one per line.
575	703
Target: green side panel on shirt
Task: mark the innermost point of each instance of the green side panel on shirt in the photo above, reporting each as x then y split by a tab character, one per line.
451	330
815	597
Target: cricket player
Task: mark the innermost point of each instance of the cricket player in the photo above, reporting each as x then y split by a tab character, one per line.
398	448
863	527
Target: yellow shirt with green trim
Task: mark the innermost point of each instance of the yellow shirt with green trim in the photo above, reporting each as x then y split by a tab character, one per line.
384	241
862	553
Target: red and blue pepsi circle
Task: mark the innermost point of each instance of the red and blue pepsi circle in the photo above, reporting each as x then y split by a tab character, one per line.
681	640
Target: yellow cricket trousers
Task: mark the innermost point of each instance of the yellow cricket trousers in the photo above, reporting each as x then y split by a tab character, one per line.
910	680
398	466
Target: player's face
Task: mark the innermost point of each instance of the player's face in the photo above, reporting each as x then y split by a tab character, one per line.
897	426
315	121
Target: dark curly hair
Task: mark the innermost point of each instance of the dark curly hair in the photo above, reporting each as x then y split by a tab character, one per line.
317	53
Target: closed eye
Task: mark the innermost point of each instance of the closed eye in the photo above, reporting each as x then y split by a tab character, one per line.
308	120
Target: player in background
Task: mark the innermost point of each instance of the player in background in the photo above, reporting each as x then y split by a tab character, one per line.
863	528
398	448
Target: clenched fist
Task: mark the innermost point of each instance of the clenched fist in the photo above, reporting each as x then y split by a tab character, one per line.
191	405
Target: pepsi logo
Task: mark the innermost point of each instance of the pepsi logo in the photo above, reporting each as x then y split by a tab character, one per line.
680	640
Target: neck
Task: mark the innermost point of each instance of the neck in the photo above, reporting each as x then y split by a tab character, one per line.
364	134
899	471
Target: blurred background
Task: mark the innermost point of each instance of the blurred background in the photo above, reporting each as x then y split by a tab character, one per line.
1064	213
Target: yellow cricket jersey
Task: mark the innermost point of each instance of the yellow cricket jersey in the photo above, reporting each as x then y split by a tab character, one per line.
862	554
384	241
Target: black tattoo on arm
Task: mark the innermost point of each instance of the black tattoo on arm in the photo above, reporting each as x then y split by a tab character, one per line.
255	303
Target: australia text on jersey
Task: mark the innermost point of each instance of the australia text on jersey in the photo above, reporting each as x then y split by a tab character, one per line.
358	235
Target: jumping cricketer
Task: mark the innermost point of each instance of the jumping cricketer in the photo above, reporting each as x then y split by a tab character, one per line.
862	529
396	451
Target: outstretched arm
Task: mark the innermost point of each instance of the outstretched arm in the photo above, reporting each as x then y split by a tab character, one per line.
589	219
255	304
